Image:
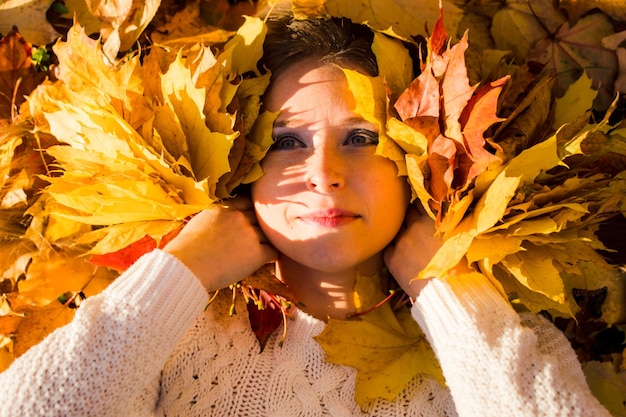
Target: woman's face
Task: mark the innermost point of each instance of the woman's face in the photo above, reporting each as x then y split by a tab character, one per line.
326	201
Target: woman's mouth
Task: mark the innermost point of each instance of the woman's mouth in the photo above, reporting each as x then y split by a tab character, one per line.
329	218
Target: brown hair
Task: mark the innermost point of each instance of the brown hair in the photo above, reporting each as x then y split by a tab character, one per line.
331	40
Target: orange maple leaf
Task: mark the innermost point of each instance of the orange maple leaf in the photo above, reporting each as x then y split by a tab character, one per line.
454	117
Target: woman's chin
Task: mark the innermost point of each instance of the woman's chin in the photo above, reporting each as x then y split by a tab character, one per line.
335	261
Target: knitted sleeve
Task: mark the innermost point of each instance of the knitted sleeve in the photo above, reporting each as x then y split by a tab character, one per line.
493	364
113	350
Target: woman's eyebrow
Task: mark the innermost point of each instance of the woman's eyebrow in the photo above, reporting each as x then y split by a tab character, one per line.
356	120
288	123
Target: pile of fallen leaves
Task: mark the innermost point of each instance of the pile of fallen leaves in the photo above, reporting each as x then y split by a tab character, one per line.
510	132
106	161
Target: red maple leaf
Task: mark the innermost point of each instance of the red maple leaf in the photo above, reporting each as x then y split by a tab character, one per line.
265	316
122	259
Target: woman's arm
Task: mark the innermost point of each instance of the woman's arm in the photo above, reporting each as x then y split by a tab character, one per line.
115	346
114	349
493	364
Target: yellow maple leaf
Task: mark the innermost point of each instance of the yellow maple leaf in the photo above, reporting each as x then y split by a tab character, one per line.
111	174
140	151
245	49
370	102
535	269
394	62
37	323
405	17
6	352
206	151
607	385
53	284
116	237
386	347
8	144
50	277
578	99
115	197
492	205
260	141
84	68
412	141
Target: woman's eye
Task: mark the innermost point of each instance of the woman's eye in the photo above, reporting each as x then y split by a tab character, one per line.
286	142
362	137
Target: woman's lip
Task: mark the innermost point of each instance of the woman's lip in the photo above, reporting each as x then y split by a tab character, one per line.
329	218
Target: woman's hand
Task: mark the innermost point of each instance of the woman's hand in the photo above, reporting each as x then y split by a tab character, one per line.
223	244
412	249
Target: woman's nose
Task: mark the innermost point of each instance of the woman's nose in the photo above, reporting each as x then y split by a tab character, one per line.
325	170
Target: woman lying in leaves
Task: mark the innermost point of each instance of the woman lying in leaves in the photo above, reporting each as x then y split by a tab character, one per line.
332	212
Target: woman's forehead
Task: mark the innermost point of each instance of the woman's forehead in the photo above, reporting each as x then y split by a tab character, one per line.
309	75
311	92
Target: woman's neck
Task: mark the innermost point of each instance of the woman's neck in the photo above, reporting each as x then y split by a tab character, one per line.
324	294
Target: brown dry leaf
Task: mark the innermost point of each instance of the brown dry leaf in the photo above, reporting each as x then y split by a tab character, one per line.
443	105
17	73
110	11
616	9
616	43
15	255
528	103
46	297
594	276
9	320
175	24
576	50
521	23
486	8
609	151
479	26
228	14
14	195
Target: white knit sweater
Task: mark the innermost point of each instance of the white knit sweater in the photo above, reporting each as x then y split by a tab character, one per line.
146	347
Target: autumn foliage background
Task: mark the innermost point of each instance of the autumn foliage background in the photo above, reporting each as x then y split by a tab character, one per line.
523	171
